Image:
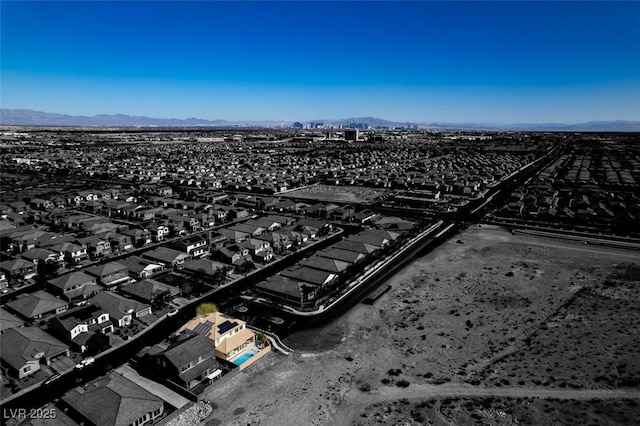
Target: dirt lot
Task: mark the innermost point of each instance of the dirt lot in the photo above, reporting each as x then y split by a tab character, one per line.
503	411
338	193
486	314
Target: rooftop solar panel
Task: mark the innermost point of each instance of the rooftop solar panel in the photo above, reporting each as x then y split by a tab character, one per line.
226	326
203	328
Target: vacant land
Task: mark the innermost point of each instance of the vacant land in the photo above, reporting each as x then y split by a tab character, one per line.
338	193
487	314
503	411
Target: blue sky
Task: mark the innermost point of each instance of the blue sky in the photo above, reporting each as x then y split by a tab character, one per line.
422	61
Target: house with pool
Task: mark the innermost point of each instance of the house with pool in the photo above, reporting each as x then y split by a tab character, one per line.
233	341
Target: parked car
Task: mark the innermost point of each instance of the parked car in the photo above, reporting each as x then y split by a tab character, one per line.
52	379
85	362
172	312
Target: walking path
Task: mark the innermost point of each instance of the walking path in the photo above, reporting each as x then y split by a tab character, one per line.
273	339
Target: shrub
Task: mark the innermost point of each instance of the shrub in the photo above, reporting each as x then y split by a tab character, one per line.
403	383
206	309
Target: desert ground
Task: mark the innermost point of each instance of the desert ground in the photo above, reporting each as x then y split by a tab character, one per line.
338	193
489	327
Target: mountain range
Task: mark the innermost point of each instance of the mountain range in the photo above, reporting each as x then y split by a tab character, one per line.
27	117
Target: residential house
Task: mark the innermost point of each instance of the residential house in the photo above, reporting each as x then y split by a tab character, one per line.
147	290
140	237
285	205
18	270
113	400
110	274
322	226
178	224
206	268
237	213
217	240
189	362
167	256
288	291
158	231
120	242
76	326
230	336
377	241
282	220
344	213
347	256
260	250
97	246
23	350
365	215
313	276
232	255
8	320
358	247
142	268
41	204
391	236
43	258
296	237
37	305
74	286
252	230
234	236
325	264
268	224
277	240
392	223
323	210
73	253
121	310
219	215
196	246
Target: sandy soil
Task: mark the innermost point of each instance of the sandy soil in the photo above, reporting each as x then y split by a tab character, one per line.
466	316
339	193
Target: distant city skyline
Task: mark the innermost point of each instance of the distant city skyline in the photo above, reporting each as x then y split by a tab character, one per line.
484	62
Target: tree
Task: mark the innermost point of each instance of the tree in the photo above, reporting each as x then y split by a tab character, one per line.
161	300
206	309
245	267
262	338
187	288
97	343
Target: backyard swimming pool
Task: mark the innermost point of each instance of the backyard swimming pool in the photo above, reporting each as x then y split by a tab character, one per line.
244	357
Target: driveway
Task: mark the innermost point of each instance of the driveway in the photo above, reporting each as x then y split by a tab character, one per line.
62	363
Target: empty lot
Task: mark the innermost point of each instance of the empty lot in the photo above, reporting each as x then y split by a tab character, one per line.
486	310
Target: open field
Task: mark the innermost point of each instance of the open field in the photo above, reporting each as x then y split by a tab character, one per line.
503	411
338	193
488	314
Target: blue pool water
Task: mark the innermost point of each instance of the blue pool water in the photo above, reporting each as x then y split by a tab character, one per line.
244	357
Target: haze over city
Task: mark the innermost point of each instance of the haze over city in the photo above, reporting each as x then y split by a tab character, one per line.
487	62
